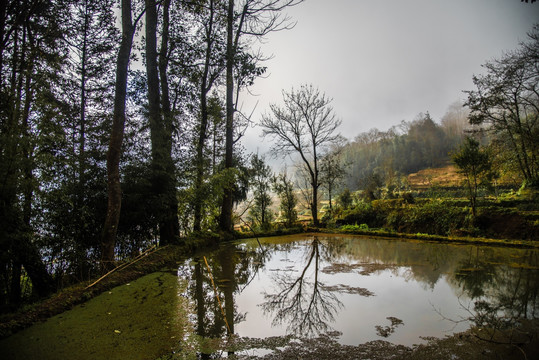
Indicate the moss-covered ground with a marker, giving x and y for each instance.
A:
(143, 319)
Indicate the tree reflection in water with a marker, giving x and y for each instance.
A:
(308, 299)
(504, 296)
(230, 267)
(304, 303)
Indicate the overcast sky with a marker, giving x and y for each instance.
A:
(383, 61)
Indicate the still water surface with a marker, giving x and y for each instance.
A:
(364, 289)
(355, 289)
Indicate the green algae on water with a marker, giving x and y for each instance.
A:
(144, 319)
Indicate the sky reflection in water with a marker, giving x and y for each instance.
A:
(366, 289)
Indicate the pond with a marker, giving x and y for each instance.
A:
(274, 292)
(360, 289)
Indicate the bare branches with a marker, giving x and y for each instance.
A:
(265, 16)
(306, 125)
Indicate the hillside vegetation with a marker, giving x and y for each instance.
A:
(436, 204)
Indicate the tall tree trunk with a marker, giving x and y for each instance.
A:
(226, 210)
(25, 252)
(3, 15)
(82, 116)
(114, 189)
(163, 177)
(205, 87)
(199, 179)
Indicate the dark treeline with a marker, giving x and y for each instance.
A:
(119, 128)
(381, 158)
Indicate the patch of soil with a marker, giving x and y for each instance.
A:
(446, 176)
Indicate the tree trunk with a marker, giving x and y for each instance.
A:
(205, 87)
(226, 211)
(314, 205)
(82, 126)
(162, 165)
(3, 15)
(114, 189)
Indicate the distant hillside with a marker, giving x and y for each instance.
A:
(446, 176)
(384, 157)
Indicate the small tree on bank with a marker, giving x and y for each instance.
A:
(284, 187)
(475, 164)
(261, 177)
(333, 172)
(306, 126)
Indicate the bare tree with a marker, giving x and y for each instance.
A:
(306, 126)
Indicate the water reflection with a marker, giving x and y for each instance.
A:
(301, 301)
(503, 293)
(213, 281)
(311, 286)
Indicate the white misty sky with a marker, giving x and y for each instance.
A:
(386, 61)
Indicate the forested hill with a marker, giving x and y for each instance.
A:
(384, 157)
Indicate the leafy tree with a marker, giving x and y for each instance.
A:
(261, 176)
(31, 57)
(163, 171)
(211, 38)
(332, 173)
(507, 98)
(372, 187)
(474, 163)
(284, 187)
(305, 125)
(71, 204)
(345, 199)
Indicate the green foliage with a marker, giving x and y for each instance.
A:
(284, 187)
(475, 164)
(261, 180)
(345, 200)
(506, 98)
(432, 217)
(363, 213)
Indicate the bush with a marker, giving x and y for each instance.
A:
(363, 213)
(435, 217)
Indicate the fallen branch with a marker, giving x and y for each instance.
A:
(123, 266)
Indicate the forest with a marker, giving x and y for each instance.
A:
(120, 130)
